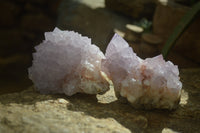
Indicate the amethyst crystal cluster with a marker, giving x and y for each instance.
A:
(149, 83)
(66, 62)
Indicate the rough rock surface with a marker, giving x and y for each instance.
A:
(30, 112)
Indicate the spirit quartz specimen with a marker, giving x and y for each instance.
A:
(66, 62)
(149, 83)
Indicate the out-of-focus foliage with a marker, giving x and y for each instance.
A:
(145, 24)
(180, 28)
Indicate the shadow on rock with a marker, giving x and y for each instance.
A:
(184, 119)
(134, 120)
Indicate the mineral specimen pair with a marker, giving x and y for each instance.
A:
(66, 62)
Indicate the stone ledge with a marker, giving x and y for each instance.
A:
(30, 111)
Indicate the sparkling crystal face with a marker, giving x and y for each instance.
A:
(66, 62)
(149, 83)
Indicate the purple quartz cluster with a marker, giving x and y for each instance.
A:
(149, 83)
(66, 62)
